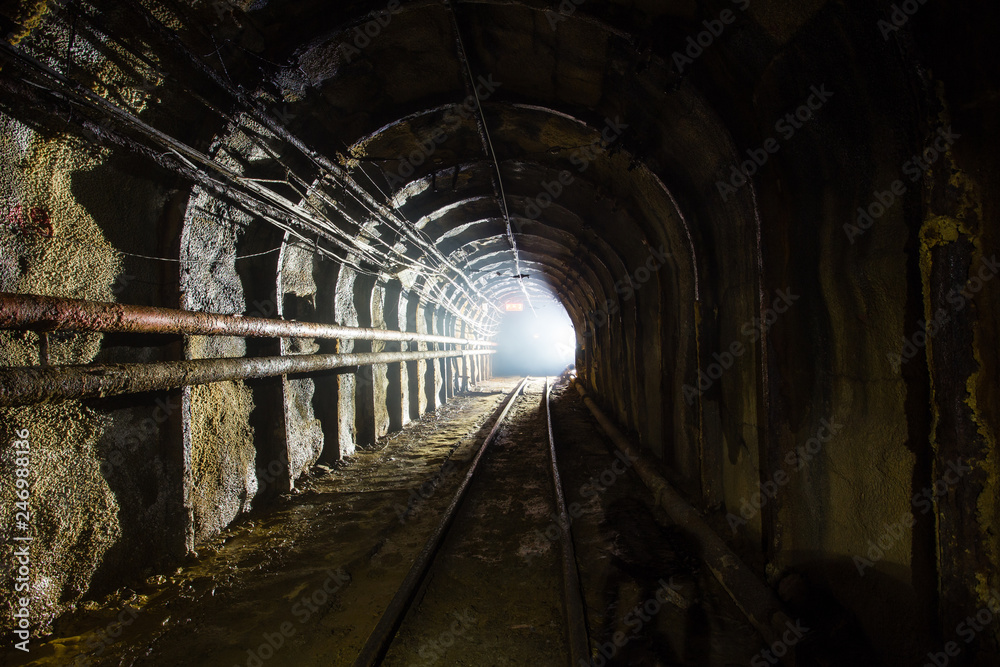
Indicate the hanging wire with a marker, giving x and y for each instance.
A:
(194, 261)
(251, 192)
(463, 57)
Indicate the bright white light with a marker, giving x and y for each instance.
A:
(565, 338)
(535, 343)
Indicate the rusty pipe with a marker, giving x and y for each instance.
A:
(33, 312)
(751, 595)
(30, 385)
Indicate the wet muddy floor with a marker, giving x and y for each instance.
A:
(493, 592)
(304, 581)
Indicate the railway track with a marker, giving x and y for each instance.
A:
(450, 546)
(466, 586)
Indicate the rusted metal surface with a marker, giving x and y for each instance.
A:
(27, 386)
(44, 313)
(382, 635)
(576, 619)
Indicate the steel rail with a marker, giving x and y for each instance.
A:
(380, 638)
(46, 384)
(45, 313)
(576, 620)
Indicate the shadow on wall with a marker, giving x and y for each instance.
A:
(542, 342)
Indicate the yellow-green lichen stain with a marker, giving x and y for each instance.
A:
(223, 456)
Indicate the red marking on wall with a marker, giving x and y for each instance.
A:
(34, 220)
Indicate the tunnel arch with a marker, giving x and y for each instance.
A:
(565, 79)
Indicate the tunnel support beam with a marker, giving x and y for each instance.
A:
(754, 598)
(26, 386)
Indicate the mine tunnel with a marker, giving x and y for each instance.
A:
(499, 332)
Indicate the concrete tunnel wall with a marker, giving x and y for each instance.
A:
(638, 140)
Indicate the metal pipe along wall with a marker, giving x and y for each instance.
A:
(25, 386)
(43, 313)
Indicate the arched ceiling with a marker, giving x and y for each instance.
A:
(494, 147)
(595, 135)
